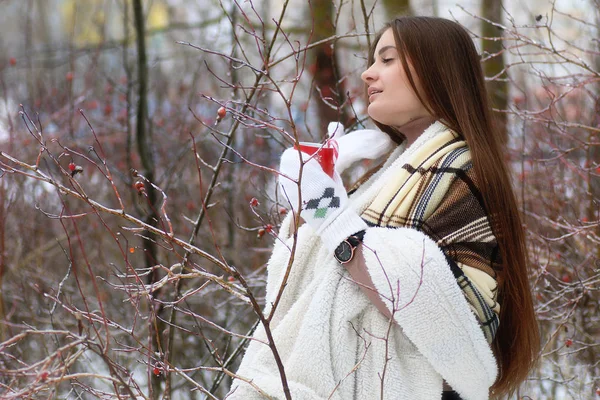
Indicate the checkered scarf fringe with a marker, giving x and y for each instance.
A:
(436, 192)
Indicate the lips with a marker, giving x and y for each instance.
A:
(372, 91)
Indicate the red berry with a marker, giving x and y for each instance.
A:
(231, 279)
(566, 278)
(44, 376)
(72, 166)
(139, 186)
(269, 228)
(69, 76)
(221, 112)
(568, 343)
(107, 110)
(283, 211)
(254, 202)
(156, 371)
(13, 61)
(598, 391)
(519, 99)
(261, 233)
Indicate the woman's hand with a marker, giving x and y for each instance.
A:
(361, 144)
(322, 196)
(324, 199)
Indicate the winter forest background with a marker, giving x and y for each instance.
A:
(136, 218)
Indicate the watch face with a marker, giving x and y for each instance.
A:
(343, 252)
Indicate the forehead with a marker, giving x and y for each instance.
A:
(386, 40)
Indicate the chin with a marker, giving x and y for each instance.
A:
(377, 116)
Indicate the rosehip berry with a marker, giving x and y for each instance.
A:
(261, 233)
(13, 61)
(221, 112)
(139, 186)
(44, 376)
(72, 166)
(69, 76)
(568, 343)
(231, 279)
(269, 228)
(566, 278)
(156, 371)
(254, 202)
(283, 211)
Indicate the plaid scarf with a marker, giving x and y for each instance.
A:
(436, 193)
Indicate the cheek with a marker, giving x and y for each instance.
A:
(396, 108)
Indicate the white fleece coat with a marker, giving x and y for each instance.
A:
(336, 345)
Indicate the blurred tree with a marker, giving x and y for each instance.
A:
(594, 151)
(90, 24)
(435, 8)
(393, 8)
(327, 87)
(145, 149)
(492, 46)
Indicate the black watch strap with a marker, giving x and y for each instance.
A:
(345, 250)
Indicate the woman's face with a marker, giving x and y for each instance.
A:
(392, 101)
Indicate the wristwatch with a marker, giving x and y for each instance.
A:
(345, 251)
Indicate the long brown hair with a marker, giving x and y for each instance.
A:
(444, 58)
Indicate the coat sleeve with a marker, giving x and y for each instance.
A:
(414, 280)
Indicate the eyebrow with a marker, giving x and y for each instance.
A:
(384, 49)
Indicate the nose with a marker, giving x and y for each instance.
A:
(368, 75)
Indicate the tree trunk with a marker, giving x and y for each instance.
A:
(498, 88)
(144, 147)
(594, 151)
(395, 8)
(327, 88)
(435, 8)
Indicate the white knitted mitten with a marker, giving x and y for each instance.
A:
(324, 199)
(361, 144)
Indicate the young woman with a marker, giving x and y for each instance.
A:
(414, 285)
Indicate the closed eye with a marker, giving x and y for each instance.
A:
(386, 60)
